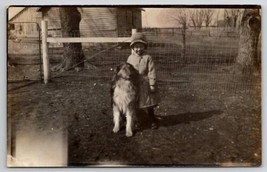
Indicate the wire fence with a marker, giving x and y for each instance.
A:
(207, 56)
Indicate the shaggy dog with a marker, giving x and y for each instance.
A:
(124, 96)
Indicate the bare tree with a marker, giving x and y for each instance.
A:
(73, 55)
(208, 13)
(248, 59)
(231, 16)
(181, 17)
(227, 18)
(235, 13)
(196, 17)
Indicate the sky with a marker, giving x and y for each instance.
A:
(154, 17)
(150, 17)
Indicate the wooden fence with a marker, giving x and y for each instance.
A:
(46, 40)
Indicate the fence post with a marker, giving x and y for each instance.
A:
(134, 31)
(45, 51)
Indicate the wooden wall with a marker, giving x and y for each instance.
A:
(22, 27)
(96, 22)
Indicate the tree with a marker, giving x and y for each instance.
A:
(235, 13)
(196, 17)
(181, 17)
(207, 14)
(73, 55)
(231, 16)
(227, 18)
(247, 59)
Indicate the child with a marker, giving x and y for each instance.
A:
(143, 63)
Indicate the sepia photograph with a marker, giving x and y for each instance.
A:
(134, 86)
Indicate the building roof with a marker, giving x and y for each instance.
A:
(14, 11)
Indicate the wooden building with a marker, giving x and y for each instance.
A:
(23, 21)
(109, 21)
(96, 21)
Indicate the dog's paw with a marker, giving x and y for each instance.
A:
(129, 133)
(116, 129)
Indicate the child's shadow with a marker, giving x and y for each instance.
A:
(184, 118)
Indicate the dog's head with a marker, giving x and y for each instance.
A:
(126, 71)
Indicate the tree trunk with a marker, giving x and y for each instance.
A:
(73, 55)
(183, 55)
(247, 59)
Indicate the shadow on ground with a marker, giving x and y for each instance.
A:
(184, 118)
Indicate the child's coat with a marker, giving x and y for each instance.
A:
(146, 68)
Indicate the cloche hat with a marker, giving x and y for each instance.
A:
(138, 37)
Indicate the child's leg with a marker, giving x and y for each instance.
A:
(151, 115)
(138, 117)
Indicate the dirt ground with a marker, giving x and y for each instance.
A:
(199, 124)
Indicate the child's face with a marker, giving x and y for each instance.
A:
(139, 48)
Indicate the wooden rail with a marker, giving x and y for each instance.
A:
(89, 39)
(46, 40)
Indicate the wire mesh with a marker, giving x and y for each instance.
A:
(207, 56)
(210, 56)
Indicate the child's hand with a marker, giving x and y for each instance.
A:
(152, 88)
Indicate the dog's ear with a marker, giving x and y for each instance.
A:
(118, 68)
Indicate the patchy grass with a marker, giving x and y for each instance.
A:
(212, 123)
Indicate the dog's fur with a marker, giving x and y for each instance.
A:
(124, 96)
